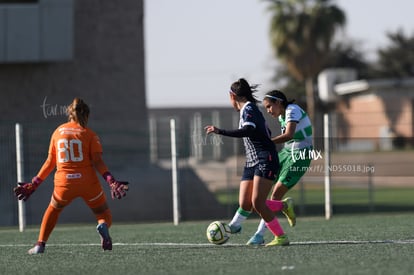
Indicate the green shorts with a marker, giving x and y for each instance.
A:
(293, 166)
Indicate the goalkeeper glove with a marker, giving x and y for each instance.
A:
(118, 188)
(25, 189)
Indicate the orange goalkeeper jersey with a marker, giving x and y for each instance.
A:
(72, 147)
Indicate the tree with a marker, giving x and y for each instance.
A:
(347, 55)
(397, 59)
(301, 33)
(342, 55)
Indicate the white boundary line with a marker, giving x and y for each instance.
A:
(227, 245)
(355, 242)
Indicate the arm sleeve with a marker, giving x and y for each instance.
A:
(96, 155)
(48, 166)
(245, 131)
(98, 163)
(293, 114)
(50, 163)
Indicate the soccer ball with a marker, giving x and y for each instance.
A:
(218, 232)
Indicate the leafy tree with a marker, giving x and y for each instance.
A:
(397, 59)
(342, 55)
(301, 33)
(347, 55)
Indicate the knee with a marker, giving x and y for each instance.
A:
(259, 206)
(100, 209)
(56, 205)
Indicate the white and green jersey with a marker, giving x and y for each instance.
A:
(303, 133)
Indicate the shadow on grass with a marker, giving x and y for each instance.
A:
(319, 209)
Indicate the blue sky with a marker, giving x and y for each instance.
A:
(195, 49)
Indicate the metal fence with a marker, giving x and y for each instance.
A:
(208, 165)
(360, 168)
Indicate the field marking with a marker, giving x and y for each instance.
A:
(410, 241)
(354, 242)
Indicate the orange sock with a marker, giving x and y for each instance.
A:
(50, 218)
(104, 217)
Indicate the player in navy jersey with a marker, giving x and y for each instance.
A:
(262, 163)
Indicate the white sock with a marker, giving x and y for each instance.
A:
(261, 228)
(239, 217)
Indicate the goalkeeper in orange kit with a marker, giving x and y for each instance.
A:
(76, 152)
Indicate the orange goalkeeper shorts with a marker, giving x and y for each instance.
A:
(92, 194)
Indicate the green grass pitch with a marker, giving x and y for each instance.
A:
(346, 244)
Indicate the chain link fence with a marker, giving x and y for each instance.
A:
(209, 169)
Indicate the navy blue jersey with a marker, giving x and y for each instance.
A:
(259, 139)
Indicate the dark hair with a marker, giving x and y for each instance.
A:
(78, 111)
(241, 88)
(276, 95)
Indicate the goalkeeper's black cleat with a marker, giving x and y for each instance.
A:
(37, 249)
(106, 240)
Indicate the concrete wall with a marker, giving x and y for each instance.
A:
(107, 71)
(378, 115)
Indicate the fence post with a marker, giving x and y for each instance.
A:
(370, 191)
(327, 134)
(153, 139)
(20, 174)
(176, 210)
(197, 137)
(215, 118)
(302, 209)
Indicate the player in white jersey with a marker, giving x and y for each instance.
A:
(294, 158)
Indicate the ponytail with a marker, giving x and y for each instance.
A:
(242, 88)
(78, 111)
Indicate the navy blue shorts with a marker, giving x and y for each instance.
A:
(268, 167)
